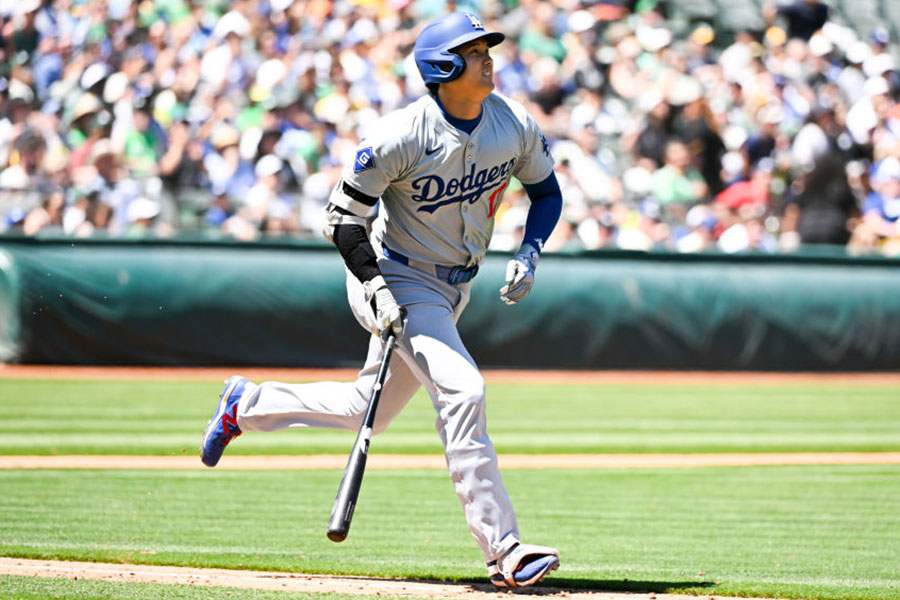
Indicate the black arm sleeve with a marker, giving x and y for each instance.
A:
(354, 246)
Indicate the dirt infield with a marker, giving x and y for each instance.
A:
(491, 375)
(294, 582)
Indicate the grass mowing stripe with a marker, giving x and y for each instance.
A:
(311, 442)
(39, 588)
(167, 417)
(824, 532)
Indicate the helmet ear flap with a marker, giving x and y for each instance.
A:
(445, 68)
(453, 67)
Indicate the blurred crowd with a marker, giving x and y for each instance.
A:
(234, 118)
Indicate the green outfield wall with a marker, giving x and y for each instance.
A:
(283, 304)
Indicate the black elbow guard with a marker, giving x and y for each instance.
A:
(354, 246)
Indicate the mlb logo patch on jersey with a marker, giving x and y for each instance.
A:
(364, 160)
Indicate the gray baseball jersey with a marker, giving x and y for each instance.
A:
(439, 187)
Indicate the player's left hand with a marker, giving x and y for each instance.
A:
(520, 275)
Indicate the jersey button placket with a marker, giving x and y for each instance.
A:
(464, 208)
(469, 158)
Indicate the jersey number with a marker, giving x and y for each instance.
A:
(492, 206)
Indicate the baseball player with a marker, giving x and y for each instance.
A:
(439, 168)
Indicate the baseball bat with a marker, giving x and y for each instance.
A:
(348, 492)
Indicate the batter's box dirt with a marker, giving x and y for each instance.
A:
(294, 582)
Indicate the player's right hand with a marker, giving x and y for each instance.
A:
(389, 316)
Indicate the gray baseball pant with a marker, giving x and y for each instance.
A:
(432, 355)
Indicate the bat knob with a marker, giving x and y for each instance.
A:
(337, 536)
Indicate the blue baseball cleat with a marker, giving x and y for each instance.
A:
(223, 427)
(523, 565)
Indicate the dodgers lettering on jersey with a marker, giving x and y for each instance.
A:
(435, 192)
(440, 187)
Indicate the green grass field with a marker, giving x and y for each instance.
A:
(122, 417)
(821, 532)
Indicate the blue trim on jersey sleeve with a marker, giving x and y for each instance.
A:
(543, 214)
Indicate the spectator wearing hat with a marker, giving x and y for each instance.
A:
(25, 36)
(143, 219)
(15, 192)
(701, 235)
(881, 210)
(869, 112)
(851, 78)
(641, 229)
(699, 53)
(737, 57)
(746, 234)
(695, 125)
(226, 67)
(111, 183)
(94, 78)
(219, 210)
(85, 126)
(879, 61)
(267, 191)
(226, 168)
(761, 143)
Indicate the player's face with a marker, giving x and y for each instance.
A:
(477, 79)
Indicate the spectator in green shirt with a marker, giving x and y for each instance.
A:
(141, 143)
(678, 185)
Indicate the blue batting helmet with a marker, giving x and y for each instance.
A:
(434, 57)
